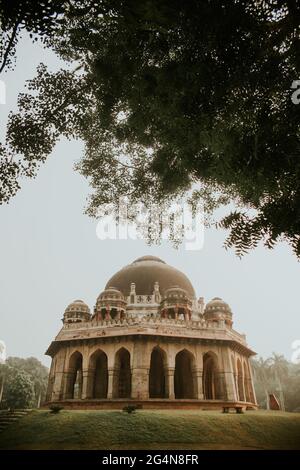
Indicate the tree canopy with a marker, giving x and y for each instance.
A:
(18, 389)
(173, 98)
(23, 382)
(278, 376)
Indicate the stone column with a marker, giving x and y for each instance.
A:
(198, 383)
(228, 377)
(243, 383)
(140, 383)
(66, 393)
(176, 312)
(59, 381)
(251, 386)
(87, 383)
(51, 379)
(140, 371)
(107, 314)
(111, 374)
(170, 382)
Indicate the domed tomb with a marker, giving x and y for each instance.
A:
(147, 270)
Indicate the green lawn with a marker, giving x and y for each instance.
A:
(153, 430)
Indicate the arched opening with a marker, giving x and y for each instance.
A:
(114, 314)
(211, 385)
(181, 313)
(157, 375)
(183, 378)
(240, 381)
(122, 375)
(74, 377)
(171, 313)
(103, 313)
(98, 375)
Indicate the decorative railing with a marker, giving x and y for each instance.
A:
(145, 321)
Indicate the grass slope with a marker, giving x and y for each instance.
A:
(153, 430)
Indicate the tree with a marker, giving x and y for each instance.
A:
(261, 370)
(169, 98)
(37, 372)
(277, 375)
(19, 390)
(292, 388)
(279, 366)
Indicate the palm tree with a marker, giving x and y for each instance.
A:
(261, 370)
(280, 368)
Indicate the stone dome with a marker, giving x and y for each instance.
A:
(217, 308)
(111, 293)
(175, 292)
(77, 311)
(147, 270)
(217, 304)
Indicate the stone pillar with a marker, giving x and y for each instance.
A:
(186, 315)
(80, 379)
(228, 377)
(111, 374)
(198, 383)
(170, 382)
(51, 380)
(176, 312)
(243, 383)
(140, 371)
(59, 381)
(87, 383)
(140, 383)
(66, 393)
(107, 314)
(251, 385)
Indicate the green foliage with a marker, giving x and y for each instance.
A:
(38, 18)
(19, 390)
(55, 408)
(168, 97)
(276, 375)
(33, 370)
(38, 373)
(130, 408)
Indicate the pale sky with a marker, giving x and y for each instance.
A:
(50, 255)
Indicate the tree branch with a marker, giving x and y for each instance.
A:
(10, 44)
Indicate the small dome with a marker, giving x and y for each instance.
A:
(217, 305)
(77, 311)
(217, 309)
(78, 306)
(175, 292)
(111, 293)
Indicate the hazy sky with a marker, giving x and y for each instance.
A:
(50, 255)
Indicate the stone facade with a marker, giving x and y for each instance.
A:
(150, 341)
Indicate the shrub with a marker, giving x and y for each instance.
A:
(55, 408)
(130, 408)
